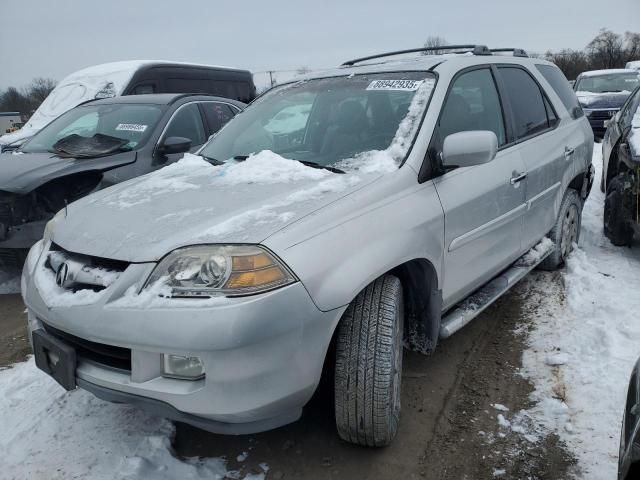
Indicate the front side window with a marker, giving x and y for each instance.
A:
(609, 82)
(527, 102)
(131, 122)
(472, 104)
(328, 120)
(187, 123)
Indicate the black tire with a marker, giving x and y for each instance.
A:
(566, 230)
(368, 371)
(618, 213)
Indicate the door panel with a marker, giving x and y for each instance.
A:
(483, 206)
(484, 215)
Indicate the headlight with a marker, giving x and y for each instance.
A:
(208, 270)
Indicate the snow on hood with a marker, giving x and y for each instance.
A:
(602, 100)
(193, 201)
(105, 80)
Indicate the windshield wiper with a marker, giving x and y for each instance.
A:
(242, 158)
(212, 160)
(318, 165)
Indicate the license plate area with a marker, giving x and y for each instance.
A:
(55, 358)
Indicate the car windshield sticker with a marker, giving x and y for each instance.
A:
(403, 85)
(131, 127)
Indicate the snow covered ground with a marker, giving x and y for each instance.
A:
(46, 433)
(585, 342)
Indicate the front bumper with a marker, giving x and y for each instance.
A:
(263, 354)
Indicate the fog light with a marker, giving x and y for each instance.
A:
(184, 368)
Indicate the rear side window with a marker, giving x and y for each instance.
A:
(217, 114)
(187, 123)
(561, 86)
(527, 102)
(472, 104)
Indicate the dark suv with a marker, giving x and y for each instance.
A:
(602, 93)
(93, 146)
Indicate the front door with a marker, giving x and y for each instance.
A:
(484, 205)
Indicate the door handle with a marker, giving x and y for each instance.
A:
(517, 178)
(568, 151)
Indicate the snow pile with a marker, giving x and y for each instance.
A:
(536, 254)
(53, 434)
(269, 167)
(586, 342)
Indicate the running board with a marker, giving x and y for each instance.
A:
(473, 305)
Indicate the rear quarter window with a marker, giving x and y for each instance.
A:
(563, 89)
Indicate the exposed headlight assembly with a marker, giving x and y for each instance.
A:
(225, 270)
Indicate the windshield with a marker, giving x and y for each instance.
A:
(130, 122)
(327, 120)
(609, 83)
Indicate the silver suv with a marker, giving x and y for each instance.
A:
(338, 218)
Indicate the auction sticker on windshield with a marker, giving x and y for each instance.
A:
(131, 127)
(404, 85)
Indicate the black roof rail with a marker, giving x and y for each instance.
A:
(517, 52)
(475, 49)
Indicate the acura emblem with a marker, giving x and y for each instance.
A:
(61, 274)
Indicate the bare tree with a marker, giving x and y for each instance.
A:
(434, 41)
(606, 49)
(39, 89)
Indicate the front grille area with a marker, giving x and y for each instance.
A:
(77, 272)
(105, 355)
(602, 114)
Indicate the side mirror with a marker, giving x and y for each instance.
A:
(466, 149)
(174, 145)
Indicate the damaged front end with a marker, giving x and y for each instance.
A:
(23, 216)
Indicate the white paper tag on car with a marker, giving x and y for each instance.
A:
(131, 127)
(402, 85)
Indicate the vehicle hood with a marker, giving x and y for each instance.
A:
(193, 202)
(602, 100)
(23, 172)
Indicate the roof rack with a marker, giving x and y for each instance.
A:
(475, 49)
(517, 52)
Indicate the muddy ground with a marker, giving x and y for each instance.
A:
(449, 427)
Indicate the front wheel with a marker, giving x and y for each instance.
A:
(566, 231)
(368, 369)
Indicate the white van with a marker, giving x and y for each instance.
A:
(133, 77)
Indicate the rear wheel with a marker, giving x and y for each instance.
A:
(566, 231)
(618, 212)
(368, 371)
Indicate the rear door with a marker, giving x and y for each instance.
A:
(547, 144)
(484, 205)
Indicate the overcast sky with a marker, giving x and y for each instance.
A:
(54, 38)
